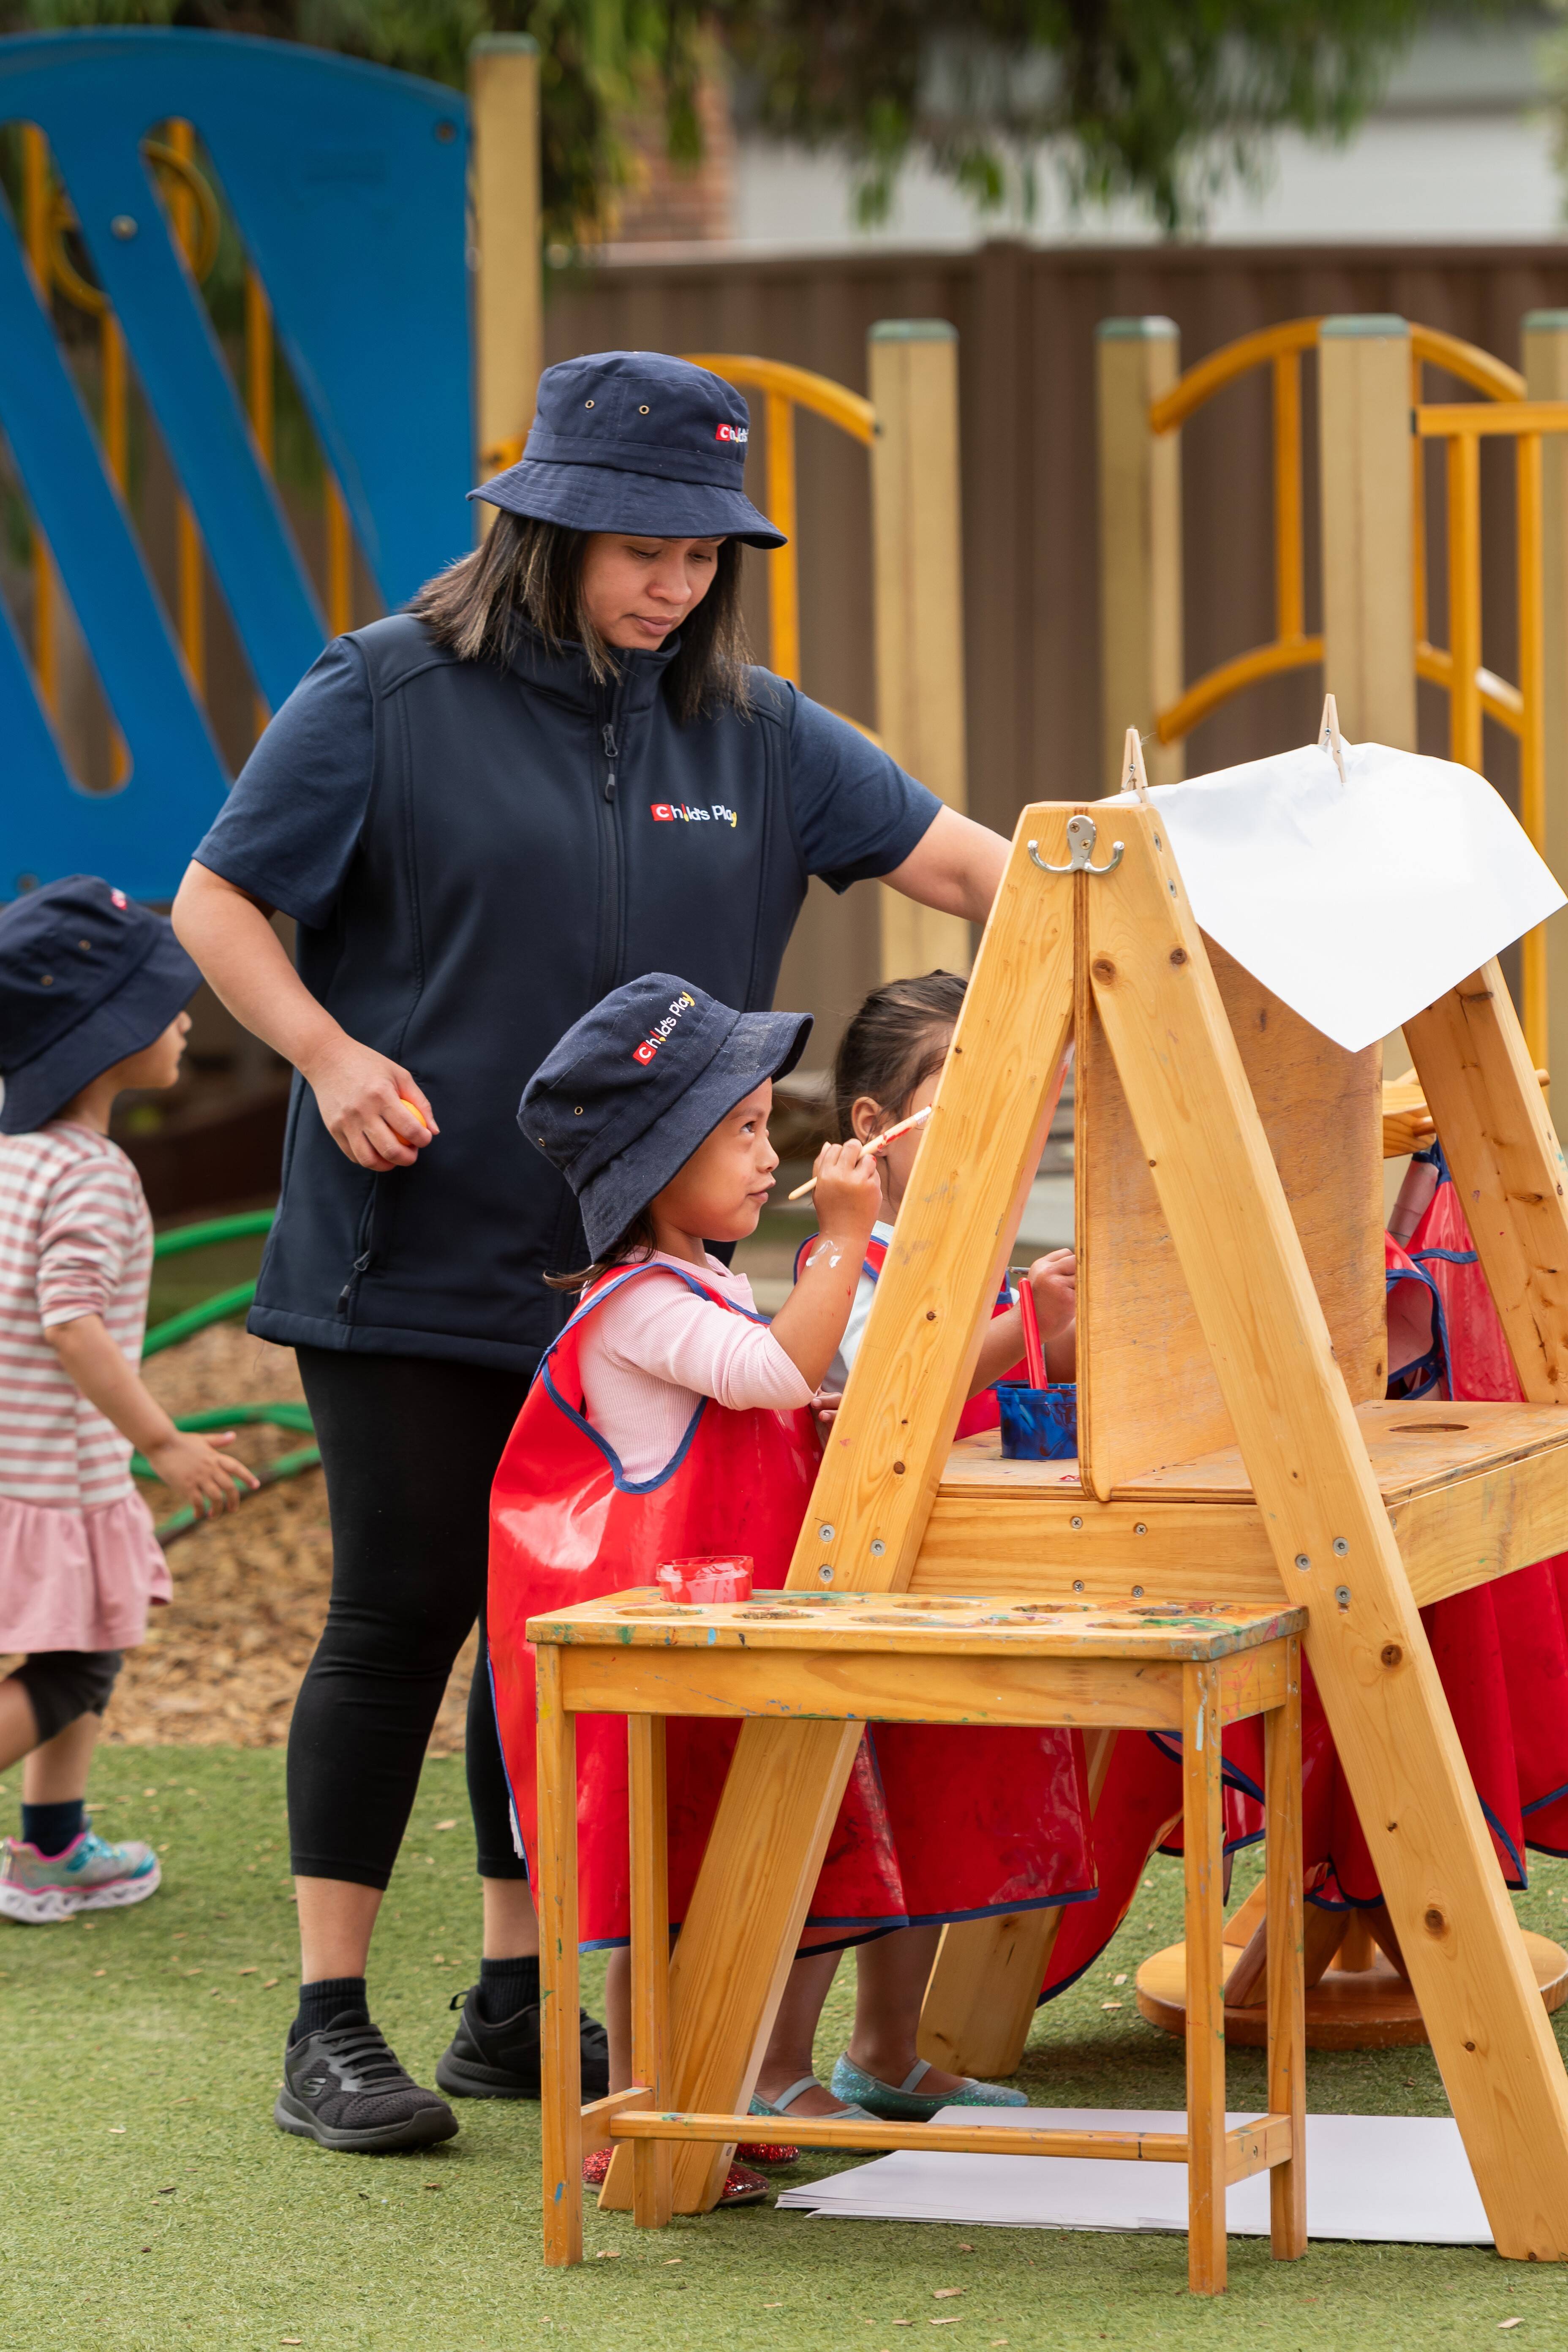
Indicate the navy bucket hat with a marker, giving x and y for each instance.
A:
(86, 976)
(635, 441)
(635, 1085)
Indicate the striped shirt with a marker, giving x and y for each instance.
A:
(75, 1239)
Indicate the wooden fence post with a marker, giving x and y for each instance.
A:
(509, 298)
(1369, 616)
(917, 567)
(1545, 360)
(1141, 654)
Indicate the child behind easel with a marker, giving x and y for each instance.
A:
(886, 1071)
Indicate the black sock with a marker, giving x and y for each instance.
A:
(328, 1999)
(507, 1986)
(51, 1828)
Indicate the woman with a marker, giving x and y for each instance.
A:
(556, 771)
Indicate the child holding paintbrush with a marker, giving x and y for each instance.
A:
(885, 1078)
(952, 1796)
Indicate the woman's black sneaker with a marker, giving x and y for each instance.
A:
(344, 2089)
(486, 2061)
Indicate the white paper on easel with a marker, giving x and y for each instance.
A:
(1357, 903)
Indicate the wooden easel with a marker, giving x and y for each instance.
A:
(1233, 1445)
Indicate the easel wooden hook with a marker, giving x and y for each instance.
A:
(1329, 735)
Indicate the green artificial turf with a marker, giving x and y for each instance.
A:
(149, 2201)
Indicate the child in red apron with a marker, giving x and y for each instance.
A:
(886, 1069)
(668, 1421)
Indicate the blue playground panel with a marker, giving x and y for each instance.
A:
(348, 184)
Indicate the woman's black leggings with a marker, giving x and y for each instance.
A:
(409, 1445)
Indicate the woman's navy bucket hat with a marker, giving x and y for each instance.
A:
(635, 1087)
(86, 976)
(635, 441)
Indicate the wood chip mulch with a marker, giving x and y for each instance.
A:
(221, 1665)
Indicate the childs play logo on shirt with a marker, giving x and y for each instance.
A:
(677, 812)
(662, 1029)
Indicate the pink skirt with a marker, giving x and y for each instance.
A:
(78, 1579)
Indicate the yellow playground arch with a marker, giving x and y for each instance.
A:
(1375, 423)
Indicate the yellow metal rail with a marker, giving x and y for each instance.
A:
(1280, 349)
(1474, 691)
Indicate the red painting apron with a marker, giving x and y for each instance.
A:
(920, 1834)
(1500, 1651)
(1501, 1648)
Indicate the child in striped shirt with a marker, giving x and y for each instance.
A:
(92, 988)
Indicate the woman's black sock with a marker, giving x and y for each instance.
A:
(51, 1828)
(507, 1986)
(326, 1999)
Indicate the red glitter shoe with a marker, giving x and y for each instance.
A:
(741, 2187)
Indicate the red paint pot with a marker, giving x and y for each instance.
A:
(726, 1577)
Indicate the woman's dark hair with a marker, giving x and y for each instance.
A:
(896, 1040)
(634, 1247)
(529, 575)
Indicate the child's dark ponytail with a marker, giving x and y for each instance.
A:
(634, 1247)
(896, 1040)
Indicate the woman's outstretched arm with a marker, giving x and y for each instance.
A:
(362, 1096)
(955, 867)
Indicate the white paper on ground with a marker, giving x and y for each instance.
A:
(1394, 2180)
(1357, 903)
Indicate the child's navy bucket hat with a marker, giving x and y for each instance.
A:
(635, 1085)
(86, 976)
(635, 441)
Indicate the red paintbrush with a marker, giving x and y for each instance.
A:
(1034, 1354)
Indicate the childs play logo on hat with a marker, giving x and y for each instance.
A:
(662, 1029)
(635, 1084)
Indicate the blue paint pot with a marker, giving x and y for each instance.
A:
(1038, 1425)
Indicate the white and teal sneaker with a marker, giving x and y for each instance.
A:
(41, 1889)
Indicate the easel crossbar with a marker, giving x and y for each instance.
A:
(1250, 2147)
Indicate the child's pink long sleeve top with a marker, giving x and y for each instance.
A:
(655, 1348)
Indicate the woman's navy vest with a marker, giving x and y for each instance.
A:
(532, 840)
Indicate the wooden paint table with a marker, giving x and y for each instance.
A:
(806, 1658)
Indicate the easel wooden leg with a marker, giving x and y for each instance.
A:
(1287, 2092)
(650, 1959)
(985, 1980)
(739, 1937)
(877, 1478)
(1226, 1208)
(561, 2050)
(1203, 1838)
